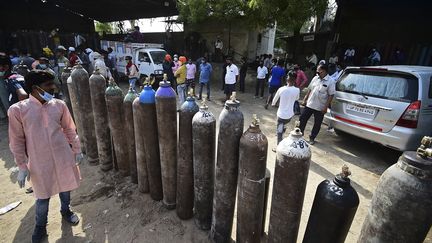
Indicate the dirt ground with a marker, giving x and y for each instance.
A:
(112, 210)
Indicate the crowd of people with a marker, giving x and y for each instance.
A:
(18, 63)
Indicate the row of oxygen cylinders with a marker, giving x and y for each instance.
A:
(137, 134)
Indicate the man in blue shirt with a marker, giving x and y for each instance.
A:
(12, 84)
(277, 75)
(204, 79)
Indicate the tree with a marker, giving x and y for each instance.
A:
(289, 14)
(101, 28)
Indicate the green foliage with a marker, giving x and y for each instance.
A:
(103, 27)
(289, 14)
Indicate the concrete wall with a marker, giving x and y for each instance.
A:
(243, 40)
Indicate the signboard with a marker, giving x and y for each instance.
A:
(308, 37)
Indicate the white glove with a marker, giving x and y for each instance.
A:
(22, 174)
(79, 158)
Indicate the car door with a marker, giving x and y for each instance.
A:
(374, 99)
(144, 63)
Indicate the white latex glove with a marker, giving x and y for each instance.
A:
(22, 174)
(79, 158)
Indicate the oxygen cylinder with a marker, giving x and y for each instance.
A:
(291, 172)
(64, 87)
(226, 173)
(73, 91)
(141, 163)
(185, 190)
(80, 76)
(114, 102)
(401, 207)
(103, 136)
(151, 143)
(333, 210)
(130, 133)
(167, 130)
(203, 140)
(251, 190)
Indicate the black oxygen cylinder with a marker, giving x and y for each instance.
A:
(293, 157)
(266, 195)
(103, 136)
(73, 91)
(80, 76)
(130, 133)
(251, 188)
(203, 140)
(185, 190)
(230, 131)
(333, 210)
(151, 142)
(114, 102)
(167, 129)
(401, 207)
(140, 152)
(64, 87)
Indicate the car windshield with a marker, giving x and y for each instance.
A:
(158, 56)
(381, 85)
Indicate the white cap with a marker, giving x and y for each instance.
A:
(71, 48)
(61, 48)
(88, 50)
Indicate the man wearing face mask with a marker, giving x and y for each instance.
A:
(44, 65)
(46, 148)
(317, 100)
(11, 90)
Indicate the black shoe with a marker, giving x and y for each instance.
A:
(70, 217)
(266, 106)
(39, 234)
(208, 99)
(311, 141)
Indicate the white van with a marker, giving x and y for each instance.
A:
(147, 56)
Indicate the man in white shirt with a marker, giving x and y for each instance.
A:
(317, 100)
(99, 64)
(288, 95)
(131, 71)
(349, 56)
(231, 77)
(262, 72)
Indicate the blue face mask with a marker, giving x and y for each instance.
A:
(43, 66)
(45, 96)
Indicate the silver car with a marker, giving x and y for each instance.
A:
(390, 105)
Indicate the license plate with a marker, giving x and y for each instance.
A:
(360, 109)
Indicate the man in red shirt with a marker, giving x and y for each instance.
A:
(73, 57)
(300, 82)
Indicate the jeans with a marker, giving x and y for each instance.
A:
(280, 129)
(181, 90)
(132, 82)
(318, 118)
(259, 86)
(42, 206)
(207, 87)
